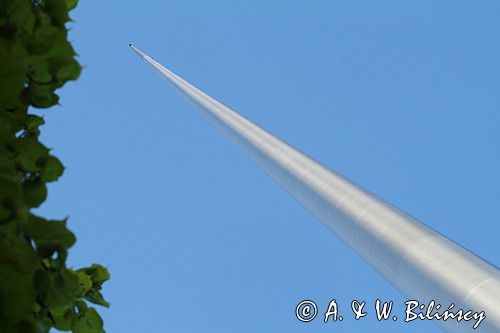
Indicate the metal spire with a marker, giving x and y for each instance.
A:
(417, 260)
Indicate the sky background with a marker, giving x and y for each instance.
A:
(404, 99)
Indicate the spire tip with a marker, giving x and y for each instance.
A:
(139, 52)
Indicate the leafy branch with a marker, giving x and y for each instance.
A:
(37, 290)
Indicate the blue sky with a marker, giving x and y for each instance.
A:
(401, 98)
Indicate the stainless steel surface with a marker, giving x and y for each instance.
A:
(417, 260)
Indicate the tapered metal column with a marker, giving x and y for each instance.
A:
(420, 262)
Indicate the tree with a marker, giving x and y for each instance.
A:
(37, 290)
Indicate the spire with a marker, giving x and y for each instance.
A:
(415, 259)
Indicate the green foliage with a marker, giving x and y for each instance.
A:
(37, 290)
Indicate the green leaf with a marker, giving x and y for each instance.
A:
(39, 70)
(35, 192)
(85, 282)
(70, 71)
(98, 274)
(49, 236)
(32, 121)
(46, 37)
(41, 95)
(31, 153)
(63, 320)
(52, 169)
(96, 297)
(57, 10)
(18, 254)
(71, 4)
(88, 321)
(57, 290)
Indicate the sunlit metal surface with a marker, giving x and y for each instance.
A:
(417, 260)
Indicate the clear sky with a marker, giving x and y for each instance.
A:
(403, 99)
